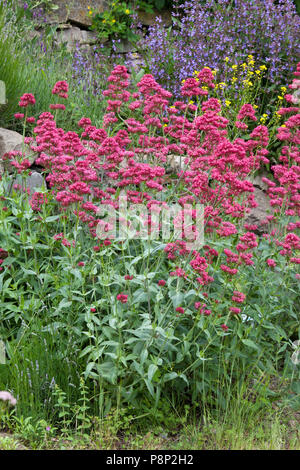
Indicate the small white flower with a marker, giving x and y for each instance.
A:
(6, 396)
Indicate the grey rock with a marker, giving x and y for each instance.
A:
(57, 16)
(73, 36)
(74, 11)
(259, 213)
(13, 141)
(257, 181)
(78, 11)
(149, 19)
(34, 182)
(9, 141)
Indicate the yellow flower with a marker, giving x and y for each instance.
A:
(262, 120)
(226, 59)
(113, 20)
(182, 81)
(205, 88)
(255, 106)
(191, 102)
(197, 79)
(228, 103)
(234, 67)
(127, 11)
(263, 67)
(214, 72)
(258, 72)
(280, 98)
(250, 56)
(283, 88)
(283, 125)
(234, 79)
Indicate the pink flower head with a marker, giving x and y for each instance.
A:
(57, 106)
(84, 122)
(238, 297)
(191, 88)
(247, 111)
(8, 397)
(271, 263)
(37, 201)
(61, 89)
(161, 282)
(26, 100)
(241, 125)
(30, 120)
(180, 309)
(235, 310)
(213, 104)
(122, 298)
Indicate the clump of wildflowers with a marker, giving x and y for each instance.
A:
(213, 33)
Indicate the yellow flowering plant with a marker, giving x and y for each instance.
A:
(114, 22)
(241, 85)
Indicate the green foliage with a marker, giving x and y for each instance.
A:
(114, 22)
(151, 5)
(128, 352)
(74, 352)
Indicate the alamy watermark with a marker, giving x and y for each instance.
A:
(2, 352)
(2, 93)
(152, 221)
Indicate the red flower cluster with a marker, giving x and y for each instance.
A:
(27, 100)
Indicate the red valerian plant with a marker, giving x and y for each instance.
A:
(133, 154)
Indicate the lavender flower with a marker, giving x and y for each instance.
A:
(203, 34)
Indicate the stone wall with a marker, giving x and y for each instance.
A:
(73, 23)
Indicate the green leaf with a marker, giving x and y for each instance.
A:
(151, 371)
(250, 344)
